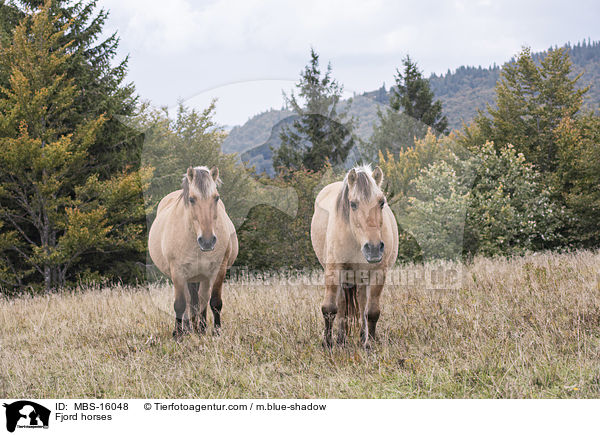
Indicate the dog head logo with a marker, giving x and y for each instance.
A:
(26, 414)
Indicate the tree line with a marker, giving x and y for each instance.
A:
(84, 162)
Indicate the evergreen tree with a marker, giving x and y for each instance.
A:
(531, 101)
(98, 78)
(54, 207)
(410, 114)
(319, 133)
(577, 178)
(414, 97)
(100, 91)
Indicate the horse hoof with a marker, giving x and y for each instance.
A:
(327, 343)
(177, 335)
(217, 332)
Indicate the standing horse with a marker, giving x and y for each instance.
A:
(355, 237)
(193, 242)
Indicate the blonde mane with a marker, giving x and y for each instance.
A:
(203, 181)
(365, 187)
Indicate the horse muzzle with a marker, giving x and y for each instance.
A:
(207, 244)
(373, 252)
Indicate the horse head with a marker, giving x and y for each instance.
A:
(201, 200)
(361, 204)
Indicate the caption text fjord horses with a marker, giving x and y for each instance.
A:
(193, 241)
(355, 237)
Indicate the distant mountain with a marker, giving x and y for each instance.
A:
(363, 109)
(468, 89)
(462, 92)
(254, 132)
(261, 157)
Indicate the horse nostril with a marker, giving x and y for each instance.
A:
(207, 244)
(381, 247)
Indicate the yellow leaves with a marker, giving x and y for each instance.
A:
(86, 134)
(85, 229)
(401, 170)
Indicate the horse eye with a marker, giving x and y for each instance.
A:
(217, 198)
(382, 203)
(353, 205)
(192, 200)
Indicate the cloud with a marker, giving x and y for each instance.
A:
(250, 24)
(182, 47)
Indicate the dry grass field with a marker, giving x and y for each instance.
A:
(525, 327)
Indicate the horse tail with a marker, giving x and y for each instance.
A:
(351, 302)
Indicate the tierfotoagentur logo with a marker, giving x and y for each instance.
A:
(25, 414)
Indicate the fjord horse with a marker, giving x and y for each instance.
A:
(193, 242)
(355, 237)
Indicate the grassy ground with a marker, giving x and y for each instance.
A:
(526, 327)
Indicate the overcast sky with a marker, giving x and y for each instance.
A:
(246, 51)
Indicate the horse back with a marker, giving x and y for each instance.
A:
(230, 229)
(156, 236)
(325, 204)
(392, 235)
(168, 200)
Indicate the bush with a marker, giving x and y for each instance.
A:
(490, 201)
(271, 239)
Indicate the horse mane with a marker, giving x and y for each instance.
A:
(202, 181)
(365, 186)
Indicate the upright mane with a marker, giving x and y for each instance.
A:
(365, 187)
(203, 181)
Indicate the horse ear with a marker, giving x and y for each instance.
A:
(377, 175)
(214, 173)
(351, 177)
(190, 173)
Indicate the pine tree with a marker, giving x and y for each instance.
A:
(410, 114)
(413, 95)
(53, 207)
(531, 101)
(319, 133)
(99, 79)
(577, 177)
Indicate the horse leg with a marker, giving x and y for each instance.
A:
(329, 307)
(203, 291)
(361, 295)
(373, 311)
(342, 304)
(216, 303)
(193, 290)
(179, 305)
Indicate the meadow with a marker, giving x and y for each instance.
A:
(523, 327)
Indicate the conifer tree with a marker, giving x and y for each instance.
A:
(410, 114)
(413, 95)
(54, 208)
(531, 101)
(319, 133)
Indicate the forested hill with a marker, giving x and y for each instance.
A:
(470, 88)
(254, 132)
(462, 92)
